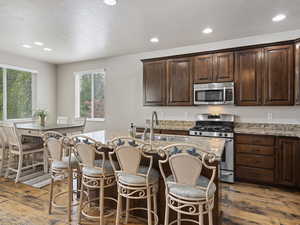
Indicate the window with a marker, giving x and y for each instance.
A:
(16, 93)
(89, 92)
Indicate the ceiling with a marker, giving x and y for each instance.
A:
(85, 29)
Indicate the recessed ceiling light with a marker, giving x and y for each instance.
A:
(110, 2)
(278, 17)
(27, 46)
(38, 43)
(154, 40)
(207, 30)
(47, 49)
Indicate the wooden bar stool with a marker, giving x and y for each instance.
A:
(63, 164)
(187, 192)
(4, 150)
(134, 180)
(96, 174)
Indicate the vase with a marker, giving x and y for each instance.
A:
(43, 120)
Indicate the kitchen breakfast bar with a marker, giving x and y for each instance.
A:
(212, 146)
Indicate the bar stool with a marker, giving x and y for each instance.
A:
(187, 192)
(63, 164)
(96, 174)
(134, 180)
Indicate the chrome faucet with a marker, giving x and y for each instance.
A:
(154, 117)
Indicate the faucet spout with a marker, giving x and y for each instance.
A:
(154, 118)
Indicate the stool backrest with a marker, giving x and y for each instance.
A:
(185, 168)
(10, 131)
(129, 153)
(186, 162)
(53, 142)
(86, 149)
(3, 138)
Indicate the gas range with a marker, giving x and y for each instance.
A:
(209, 125)
(219, 126)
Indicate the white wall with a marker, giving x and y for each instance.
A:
(46, 80)
(124, 88)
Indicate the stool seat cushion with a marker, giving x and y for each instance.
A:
(139, 180)
(187, 191)
(90, 171)
(64, 163)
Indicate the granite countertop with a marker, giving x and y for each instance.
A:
(288, 130)
(208, 145)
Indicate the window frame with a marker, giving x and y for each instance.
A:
(78, 75)
(34, 74)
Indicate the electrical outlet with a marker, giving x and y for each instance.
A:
(270, 116)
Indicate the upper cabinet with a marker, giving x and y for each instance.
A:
(297, 73)
(278, 75)
(211, 68)
(203, 69)
(248, 77)
(154, 79)
(223, 67)
(265, 76)
(179, 82)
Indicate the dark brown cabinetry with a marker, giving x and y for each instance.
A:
(255, 158)
(223, 67)
(267, 159)
(179, 82)
(265, 76)
(278, 75)
(155, 75)
(248, 77)
(213, 68)
(297, 73)
(203, 69)
(287, 155)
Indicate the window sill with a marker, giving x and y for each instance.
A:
(96, 119)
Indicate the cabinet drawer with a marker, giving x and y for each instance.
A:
(255, 139)
(255, 174)
(266, 162)
(29, 132)
(254, 149)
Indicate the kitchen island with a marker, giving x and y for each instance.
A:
(209, 145)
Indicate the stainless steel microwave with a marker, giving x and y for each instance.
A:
(214, 93)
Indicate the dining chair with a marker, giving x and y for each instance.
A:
(187, 191)
(20, 150)
(62, 164)
(135, 180)
(62, 120)
(97, 173)
(3, 150)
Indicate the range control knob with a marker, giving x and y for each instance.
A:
(220, 134)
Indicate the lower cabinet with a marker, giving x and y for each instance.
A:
(287, 157)
(267, 159)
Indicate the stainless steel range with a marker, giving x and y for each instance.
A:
(219, 126)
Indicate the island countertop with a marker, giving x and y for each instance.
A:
(207, 144)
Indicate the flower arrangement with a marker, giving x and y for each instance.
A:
(41, 113)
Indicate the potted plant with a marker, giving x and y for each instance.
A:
(41, 113)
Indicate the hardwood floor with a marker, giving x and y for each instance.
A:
(242, 204)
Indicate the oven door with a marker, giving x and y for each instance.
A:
(215, 96)
(227, 161)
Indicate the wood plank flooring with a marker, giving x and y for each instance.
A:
(242, 204)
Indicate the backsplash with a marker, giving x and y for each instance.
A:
(173, 124)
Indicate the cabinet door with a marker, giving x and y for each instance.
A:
(248, 77)
(223, 67)
(203, 69)
(278, 75)
(155, 83)
(179, 82)
(297, 73)
(286, 160)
